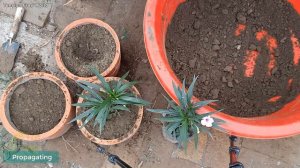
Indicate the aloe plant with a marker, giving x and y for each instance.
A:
(105, 98)
(182, 121)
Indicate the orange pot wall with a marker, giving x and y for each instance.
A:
(283, 123)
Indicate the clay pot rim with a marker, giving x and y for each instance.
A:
(121, 139)
(85, 21)
(6, 121)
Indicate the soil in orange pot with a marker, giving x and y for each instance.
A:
(246, 53)
(86, 47)
(36, 106)
(118, 124)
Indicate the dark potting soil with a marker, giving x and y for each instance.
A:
(86, 47)
(220, 40)
(118, 124)
(37, 106)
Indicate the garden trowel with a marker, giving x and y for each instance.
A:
(10, 48)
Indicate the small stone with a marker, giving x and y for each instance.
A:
(283, 40)
(20, 90)
(232, 100)
(192, 62)
(214, 54)
(216, 47)
(197, 24)
(206, 83)
(95, 51)
(235, 55)
(68, 43)
(277, 53)
(31, 119)
(50, 27)
(252, 47)
(216, 6)
(249, 11)
(225, 11)
(228, 68)
(193, 12)
(216, 42)
(215, 93)
(144, 61)
(238, 47)
(205, 39)
(224, 79)
(274, 70)
(236, 81)
(230, 84)
(241, 18)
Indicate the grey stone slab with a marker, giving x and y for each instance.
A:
(287, 149)
(253, 159)
(36, 11)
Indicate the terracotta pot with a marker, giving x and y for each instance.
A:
(112, 70)
(121, 139)
(55, 132)
(283, 123)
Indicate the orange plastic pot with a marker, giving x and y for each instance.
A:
(55, 132)
(121, 139)
(283, 123)
(114, 67)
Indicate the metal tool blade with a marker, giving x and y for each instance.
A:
(8, 53)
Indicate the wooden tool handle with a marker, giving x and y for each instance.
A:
(17, 20)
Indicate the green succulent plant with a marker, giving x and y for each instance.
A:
(102, 99)
(182, 121)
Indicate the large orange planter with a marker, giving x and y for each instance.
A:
(114, 67)
(62, 127)
(283, 123)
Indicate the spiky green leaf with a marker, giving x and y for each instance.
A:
(90, 85)
(83, 115)
(103, 81)
(161, 111)
(191, 89)
(85, 104)
(134, 100)
(196, 136)
(170, 119)
(203, 103)
(122, 108)
(89, 90)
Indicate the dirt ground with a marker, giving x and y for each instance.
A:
(147, 149)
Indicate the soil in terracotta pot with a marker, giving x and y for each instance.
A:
(88, 46)
(37, 106)
(243, 52)
(118, 124)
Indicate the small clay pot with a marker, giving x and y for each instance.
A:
(114, 67)
(121, 139)
(62, 127)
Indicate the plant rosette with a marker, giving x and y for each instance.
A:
(181, 122)
(102, 98)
